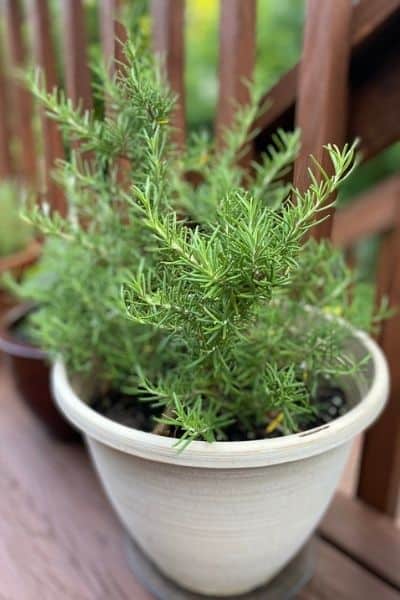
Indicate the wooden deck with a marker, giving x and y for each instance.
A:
(60, 540)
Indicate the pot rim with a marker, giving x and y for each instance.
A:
(229, 455)
(9, 343)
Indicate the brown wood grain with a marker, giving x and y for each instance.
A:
(385, 262)
(237, 48)
(366, 535)
(59, 538)
(322, 94)
(39, 22)
(169, 42)
(337, 577)
(112, 32)
(373, 212)
(374, 85)
(76, 65)
(6, 162)
(75, 54)
(375, 94)
(113, 36)
(379, 482)
(369, 17)
(22, 99)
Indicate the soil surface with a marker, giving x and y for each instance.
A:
(20, 331)
(126, 410)
(129, 411)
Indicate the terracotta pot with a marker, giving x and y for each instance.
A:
(224, 518)
(31, 374)
(16, 263)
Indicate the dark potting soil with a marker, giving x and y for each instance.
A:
(20, 328)
(20, 331)
(127, 410)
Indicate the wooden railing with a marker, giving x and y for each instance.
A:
(346, 86)
(323, 110)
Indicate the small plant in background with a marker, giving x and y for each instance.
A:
(14, 233)
(206, 308)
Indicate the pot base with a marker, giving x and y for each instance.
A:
(285, 586)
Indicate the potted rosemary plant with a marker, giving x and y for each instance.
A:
(207, 347)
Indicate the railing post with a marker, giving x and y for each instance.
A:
(236, 59)
(23, 112)
(39, 20)
(321, 108)
(6, 162)
(379, 479)
(75, 52)
(168, 39)
(113, 33)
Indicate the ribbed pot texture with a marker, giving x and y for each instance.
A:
(224, 518)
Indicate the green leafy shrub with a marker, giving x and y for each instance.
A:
(14, 233)
(209, 302)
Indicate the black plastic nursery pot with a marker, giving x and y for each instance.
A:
(30, 370)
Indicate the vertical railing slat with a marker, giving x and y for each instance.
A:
(23, 110)
(322, 87)
(39, 20)
(6, 162)
(168, 37)
(113, 35)
(112, 32)
(236, 58)
(75, 54)
(379, 478)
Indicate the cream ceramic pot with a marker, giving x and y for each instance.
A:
(224, 518)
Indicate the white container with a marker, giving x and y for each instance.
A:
(224, 518)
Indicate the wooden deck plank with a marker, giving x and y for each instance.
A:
(366, 535)
(337, 577)
(60, 539)
(58, 536)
